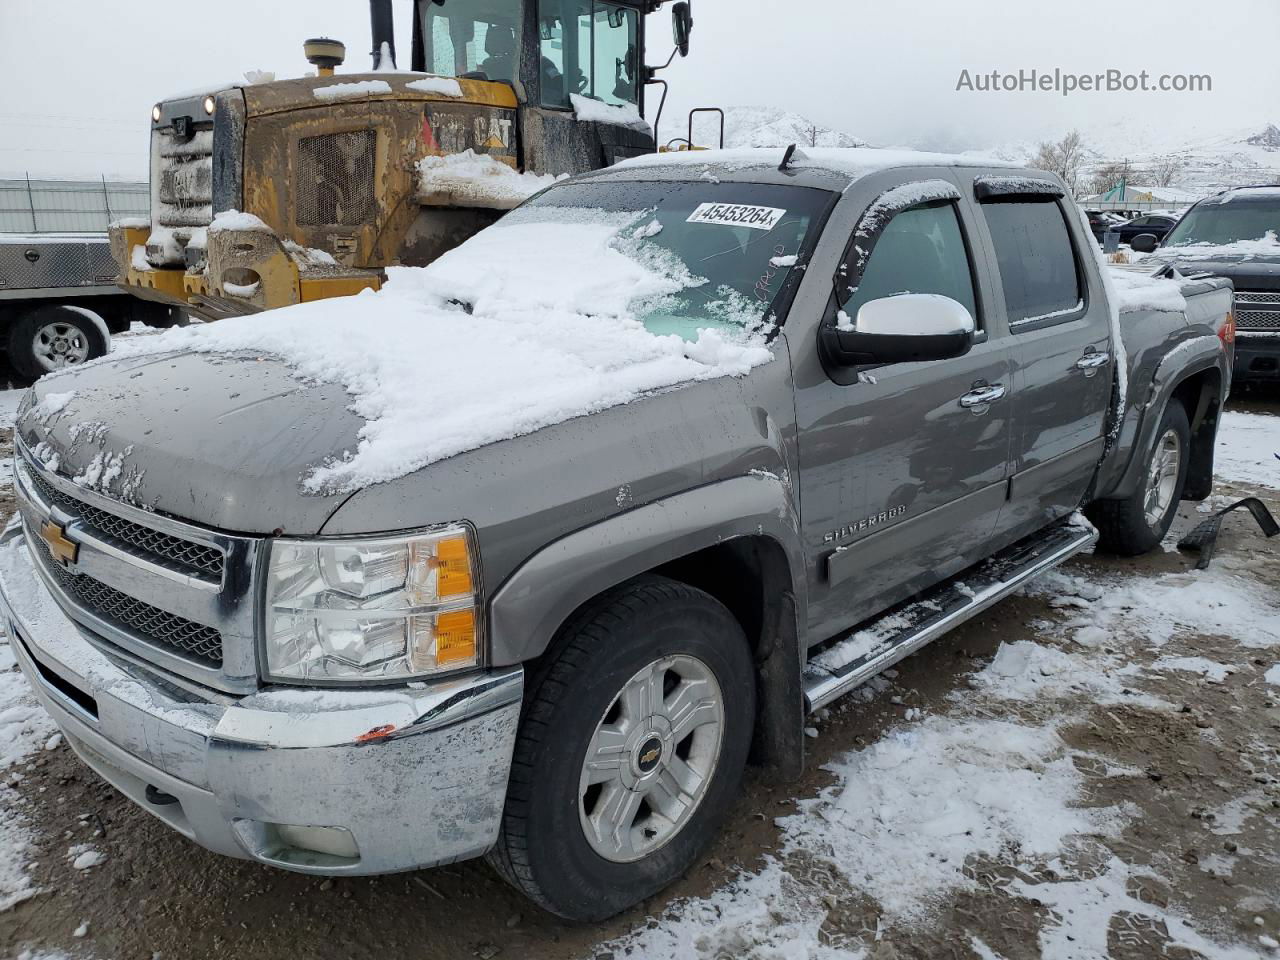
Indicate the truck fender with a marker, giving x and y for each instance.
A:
(528, 609)
(1189, 358)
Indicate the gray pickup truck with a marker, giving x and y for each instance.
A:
(561, 649)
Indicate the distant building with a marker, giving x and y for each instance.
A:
(69, 206)
(1140, 198)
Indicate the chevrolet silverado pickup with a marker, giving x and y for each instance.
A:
(558, 645)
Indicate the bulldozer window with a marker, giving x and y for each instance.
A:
(590, 48)
(476, 37)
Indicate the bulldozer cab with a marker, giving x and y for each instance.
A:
(338, 175)
(584, 48)
(556, 54)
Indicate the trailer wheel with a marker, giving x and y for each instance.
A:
(51, 338)
(630, 752)
(1137, 524)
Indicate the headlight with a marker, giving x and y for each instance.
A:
(372, 610)
(155, 113)
(208, 105)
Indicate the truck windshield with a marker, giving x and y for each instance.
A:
(1223, 223)
(472, 37)
(731, 246)
(589, 48)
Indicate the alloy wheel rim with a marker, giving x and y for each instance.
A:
(651, 759)
(1162, 478)
(60, 344)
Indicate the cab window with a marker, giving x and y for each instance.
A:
(478, 37)
(921, 250)
(589, 48)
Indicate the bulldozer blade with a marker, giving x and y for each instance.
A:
(1204, 538)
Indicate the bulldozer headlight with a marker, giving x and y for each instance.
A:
(155, 113)
(208, 105)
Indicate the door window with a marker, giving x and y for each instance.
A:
(472, 39)
(921, 250)
(1037, 261)
(589, 48)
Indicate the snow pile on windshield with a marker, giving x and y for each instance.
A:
(1268, 245)
(469, 179)
(552, 334)
(1138, 291)
(597, 111)
(346, 91)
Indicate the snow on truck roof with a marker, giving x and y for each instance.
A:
(848, 163)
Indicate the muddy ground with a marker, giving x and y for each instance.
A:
(157, 894)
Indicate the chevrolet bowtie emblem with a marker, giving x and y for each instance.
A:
(55, 537)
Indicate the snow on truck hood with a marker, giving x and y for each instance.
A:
(551, 335)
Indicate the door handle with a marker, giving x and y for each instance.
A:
(1090, 363)
(981, 396)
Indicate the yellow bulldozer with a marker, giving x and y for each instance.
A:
(272, 193)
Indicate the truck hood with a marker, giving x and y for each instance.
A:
(217, 440)
(1245, 266)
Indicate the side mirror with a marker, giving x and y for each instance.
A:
(682, 26)
(1144, 243)
(908, 327)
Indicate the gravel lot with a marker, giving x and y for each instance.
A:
(1090, 769)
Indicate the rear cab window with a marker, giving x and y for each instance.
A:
(1037, 260)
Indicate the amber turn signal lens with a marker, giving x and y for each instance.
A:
(453, 568)
(455, 638)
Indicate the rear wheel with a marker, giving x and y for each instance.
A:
(630, 752)
(52, 338)
(1138, 523)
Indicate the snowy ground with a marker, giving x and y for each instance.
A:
(1090, 770)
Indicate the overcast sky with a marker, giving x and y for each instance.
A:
(78, 77)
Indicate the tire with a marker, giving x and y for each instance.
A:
(1137, 524)
(554, 844)
(51, 338)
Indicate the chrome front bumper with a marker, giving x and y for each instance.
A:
(396, 779)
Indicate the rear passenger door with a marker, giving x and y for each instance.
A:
(1061, 344)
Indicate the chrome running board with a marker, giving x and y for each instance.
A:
(840, 666)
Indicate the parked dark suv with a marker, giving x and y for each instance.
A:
(1236, 234)
(1156, 224)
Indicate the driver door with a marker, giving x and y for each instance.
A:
(903, 477)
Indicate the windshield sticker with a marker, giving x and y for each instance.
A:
(737, 215)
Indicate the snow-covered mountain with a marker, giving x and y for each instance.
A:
(771, 127)
(1194, 159)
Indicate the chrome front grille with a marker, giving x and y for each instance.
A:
(192, 639)
(163, 591)
(193, 557)
(1257, 320)
(1257, 310)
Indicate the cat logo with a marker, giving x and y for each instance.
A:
(55, 537)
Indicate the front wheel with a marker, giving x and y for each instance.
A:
(1137, 524)
(631, 750)
(52, 338)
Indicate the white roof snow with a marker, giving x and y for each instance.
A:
(852, 161)
(347, 91)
